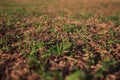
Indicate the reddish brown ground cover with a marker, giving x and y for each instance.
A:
(60, 40)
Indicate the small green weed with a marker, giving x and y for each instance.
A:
(76, 76)
(60, 48)
(32, 57)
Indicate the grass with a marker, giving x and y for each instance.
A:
(114, 18)
(60, 48)
(81, 16)
(76, 75)
(50, 41)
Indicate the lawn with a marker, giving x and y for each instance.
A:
(60, 40)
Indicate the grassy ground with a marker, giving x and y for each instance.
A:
(60, 40)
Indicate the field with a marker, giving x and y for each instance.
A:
(59, 40)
